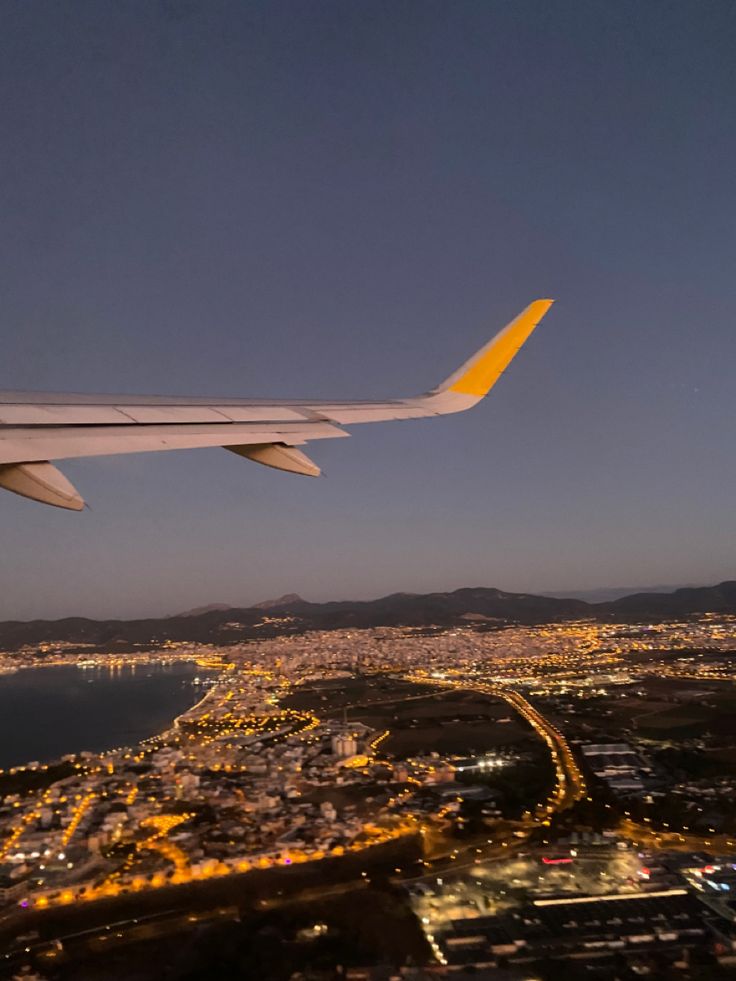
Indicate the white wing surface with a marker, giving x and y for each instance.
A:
(38, 428)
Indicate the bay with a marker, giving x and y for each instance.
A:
(47, 712)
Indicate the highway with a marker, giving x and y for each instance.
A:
(569, 782)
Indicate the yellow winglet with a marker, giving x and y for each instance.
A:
(478, 375)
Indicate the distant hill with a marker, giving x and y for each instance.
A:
(288, 599)
(605, 594)
(700, 599)
(198, 610)
(219, 624)
(424, 609)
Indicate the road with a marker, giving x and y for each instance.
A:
(645, 836)
(569, 782)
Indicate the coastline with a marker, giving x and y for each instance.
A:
(91, 721)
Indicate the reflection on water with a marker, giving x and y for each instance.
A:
(48, 712)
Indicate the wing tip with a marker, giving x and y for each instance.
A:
(479, 374)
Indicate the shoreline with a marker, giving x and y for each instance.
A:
(39, 765)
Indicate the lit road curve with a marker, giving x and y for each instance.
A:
(569, 781)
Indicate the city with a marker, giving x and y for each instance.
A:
(570, 757)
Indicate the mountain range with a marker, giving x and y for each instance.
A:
(221, 624)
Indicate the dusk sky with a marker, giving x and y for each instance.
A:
(346, 199)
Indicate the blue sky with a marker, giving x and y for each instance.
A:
(344, 200)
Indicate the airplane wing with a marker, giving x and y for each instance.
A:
(37, 428)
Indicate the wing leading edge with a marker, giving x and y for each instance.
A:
(38, 428)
